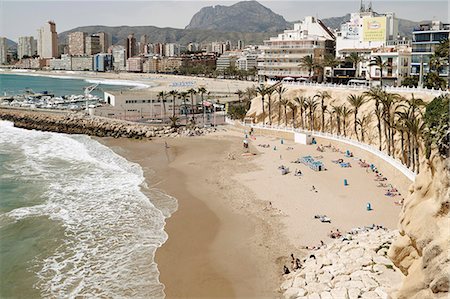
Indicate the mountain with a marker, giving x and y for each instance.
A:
(11, 44)
(169, 35)
(246, 16)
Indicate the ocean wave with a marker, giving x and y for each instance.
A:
(112, 229)
(139, 85)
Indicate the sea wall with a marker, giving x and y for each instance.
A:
(79, 123)
(422, 251)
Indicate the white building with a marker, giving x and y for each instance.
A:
(47, 43)
(119, 58)
(3, 50)
(281, 55)
(26, 46)
(227, 60)
(171, 50)
(397, 60)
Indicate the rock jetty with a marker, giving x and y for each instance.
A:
(355, 266)
(79, 123)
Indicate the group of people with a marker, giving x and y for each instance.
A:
(295, 264)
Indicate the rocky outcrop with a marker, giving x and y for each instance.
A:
(354, 267)
(79, 123)
(422, 252)
(244, 16)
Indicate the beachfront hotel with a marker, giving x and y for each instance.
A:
(281, 55)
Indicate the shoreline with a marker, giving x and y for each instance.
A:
(213, 249)
(225, 240)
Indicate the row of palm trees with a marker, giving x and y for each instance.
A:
(398, 119)
(183, 95)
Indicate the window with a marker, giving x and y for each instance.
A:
(439, 36)
(422, 37)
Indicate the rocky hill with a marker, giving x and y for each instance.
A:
(248, 16)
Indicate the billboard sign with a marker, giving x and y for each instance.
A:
(374, 29)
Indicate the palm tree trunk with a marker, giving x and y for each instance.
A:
(270, 110)
(293, 117)
(356, 127)
(263, 111)
(408, 138)
(279, 112)
(323, 117)
(285, 116)
(173, 106)
(402, 140)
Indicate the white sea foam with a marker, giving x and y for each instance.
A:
(138, 85)
(112, 229)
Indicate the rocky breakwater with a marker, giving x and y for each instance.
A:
(79, 123)
(422, 251)
(355, 266)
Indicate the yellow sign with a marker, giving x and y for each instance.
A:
(374, 29)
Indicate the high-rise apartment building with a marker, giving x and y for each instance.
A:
(77, 43)
(105, 41)
(143, 44)
(131, 46)
(47, 43)
(172, 49)
(26, 46)
(93, 45)
(3, 51)
(119, 57)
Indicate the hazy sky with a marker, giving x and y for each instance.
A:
(21, 18)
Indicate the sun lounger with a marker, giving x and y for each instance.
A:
(345, 165)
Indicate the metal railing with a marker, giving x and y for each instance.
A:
(436, 92)
(369, 148)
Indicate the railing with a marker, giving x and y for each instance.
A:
(395, 163)
(362, 87)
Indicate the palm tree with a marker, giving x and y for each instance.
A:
(345, 114)
(269, 103)
(337, 110)
(355, 59)
(312, 104)
(183, 96)
(262, 90)
(202, 91)
(308, 63)
(174, 94)
(301, 102)
(375, 94)
(323, 95)
(280, 90)
(331, 61)
(293, 107)
(356, 101)
(378, 61)
(284, 103)
(192, 92)
(162, 97)
(239, 93)
(364, 123)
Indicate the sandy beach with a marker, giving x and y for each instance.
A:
(226, 240)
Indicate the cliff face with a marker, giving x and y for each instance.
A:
(422, 252)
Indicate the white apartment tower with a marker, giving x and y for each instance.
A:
(47, 42)
(26, 46)
(3, 50)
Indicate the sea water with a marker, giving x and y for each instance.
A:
(12, 84)
(74, 220)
